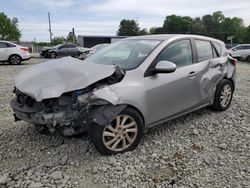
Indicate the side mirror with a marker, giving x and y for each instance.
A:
(164, 67)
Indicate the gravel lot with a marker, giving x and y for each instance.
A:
(201, 149)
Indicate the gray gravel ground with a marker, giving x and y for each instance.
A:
(201, 149)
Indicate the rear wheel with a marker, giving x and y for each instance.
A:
(223, 95)
(123, 134)
(248, 58)
(15, 60)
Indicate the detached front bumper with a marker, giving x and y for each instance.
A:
(67, 123)
(25, 113)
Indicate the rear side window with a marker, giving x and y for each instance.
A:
(217, 47)
(204, 50)
(247, 47)
(10, 45)
(179, 53)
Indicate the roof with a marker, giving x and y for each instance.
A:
(102, 36)
(169, 36)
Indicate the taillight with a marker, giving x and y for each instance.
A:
(233, 61)
(24, 49)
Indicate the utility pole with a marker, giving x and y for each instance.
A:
(50, 33)
(73, 34)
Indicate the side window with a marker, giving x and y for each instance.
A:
(215, 53)
(63, 46)
(71, 46)
(247, 47)
(217, 47)
(204, 50)
(180, 53)
(240, 48)
(3, 45)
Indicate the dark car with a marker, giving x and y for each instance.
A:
(61, 50)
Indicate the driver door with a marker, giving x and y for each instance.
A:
(170, 94)
(62, 50)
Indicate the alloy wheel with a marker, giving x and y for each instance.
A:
(15, 60)
(53, 55)
(226, 95)
(121, 133)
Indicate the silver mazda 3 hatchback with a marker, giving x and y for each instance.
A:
(125, 88)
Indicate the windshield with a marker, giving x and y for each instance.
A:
(126, 54)
(57, 46)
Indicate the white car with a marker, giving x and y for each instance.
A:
(241, 51)
(13, 53)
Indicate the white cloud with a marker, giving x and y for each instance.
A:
(103, 17)
(40, 31)
(191, 8)
(48, 4)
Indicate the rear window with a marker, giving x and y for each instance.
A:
(204, 50)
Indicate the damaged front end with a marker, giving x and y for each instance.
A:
(72, 112)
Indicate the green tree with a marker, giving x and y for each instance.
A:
(155, 30)
(128, 28)
(71, 37)
(234, 27)
(143, 31)
(247, 35)
(9, 28)
(58, 40)
(180, 24)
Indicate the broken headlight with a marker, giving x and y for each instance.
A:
(91, 99)
(84, 98)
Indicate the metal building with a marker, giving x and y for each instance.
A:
(90, 41)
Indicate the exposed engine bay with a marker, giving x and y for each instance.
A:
(73, 111)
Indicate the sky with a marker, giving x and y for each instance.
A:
(102, 17)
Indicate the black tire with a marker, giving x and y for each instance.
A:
(218, 104)
(43, 129)
(53, 55)
(96, 133)
(15, 60)
(248, 58)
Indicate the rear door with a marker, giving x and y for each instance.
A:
(212, 66)
(3, 51)
(62, 50)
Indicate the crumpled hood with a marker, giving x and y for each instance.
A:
(53, 78)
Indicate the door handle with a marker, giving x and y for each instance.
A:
(192, 74)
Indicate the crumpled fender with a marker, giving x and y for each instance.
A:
(103, 115)
(107, 94)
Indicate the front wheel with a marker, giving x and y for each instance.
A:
(123, 134)
(223, 95)
(52, 55)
